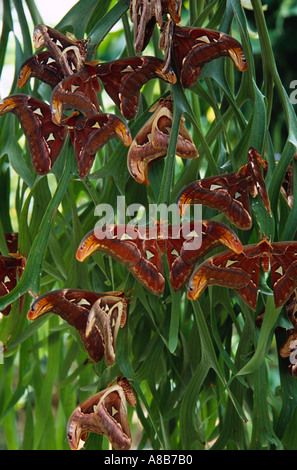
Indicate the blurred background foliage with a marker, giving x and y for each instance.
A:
(204, 374)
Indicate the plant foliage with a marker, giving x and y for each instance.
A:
(205, 375)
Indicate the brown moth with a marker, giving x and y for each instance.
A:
(74, 306)
(78, 92)
(45, 139)
(11, 269)
(67, 51)
(141, 251)
(41, 66)
(65, 55)
(108, 314)
(165, 43)
(151, 143)
(289, 349)
(123, 79)
(240, 271)
(287, 186)
(90, 134)
(104, 413)
(145, 14)
(195, 47)
(229, 193)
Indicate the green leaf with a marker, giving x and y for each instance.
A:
(104, 25)
(270, 317)
(31, 275)
(78, 17)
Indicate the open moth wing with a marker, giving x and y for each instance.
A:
(89, 135)
(228, 193)
(73, 306)
(112, 417)
(194, 47)
(78, 92)
(131, 247)
(41, 66)
(123, 79)
(104, 413)
(283, 271)
(228, 269)
(69, 52)
(45, 139)
(185, 250)
(83, 421)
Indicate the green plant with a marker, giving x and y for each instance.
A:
(204, 374)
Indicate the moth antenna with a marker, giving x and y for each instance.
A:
(91, 43)
(114, 380)
(132, 302)
(32, 294)
(92, 51)
(129, 295)
(93, 63)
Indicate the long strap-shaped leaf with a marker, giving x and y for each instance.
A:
(263, 431)
(168, 174)
(105, 24)
(270, 317)
(78, 17)
(180, 106)
(270, 66)
(188, 418)
(31, 275)
(124, 363)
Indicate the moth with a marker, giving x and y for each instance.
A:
(68, 52)
(195, 47)
(290, 345)
(75, 305)
(287, 186)
(229, 193)
(165, 42)
(11, 239)
(78, 92)
(289, 348)
(90, 134)
(11, 269)
(108, 314)
(241, 271)
(104, 413)
(45, 139)
(141, 249)
(151, 143)
(145, 14)
(41, 66)
(123, 79)
(65, 56)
